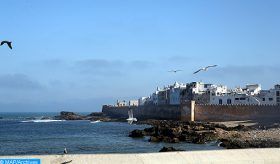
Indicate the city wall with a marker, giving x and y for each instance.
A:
(236, 112)
(198, 112)
(169, 112)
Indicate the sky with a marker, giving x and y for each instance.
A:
(77, 55)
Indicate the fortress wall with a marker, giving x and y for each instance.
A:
(236, 112)
(168, 112)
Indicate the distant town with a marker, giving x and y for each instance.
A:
(202, 93)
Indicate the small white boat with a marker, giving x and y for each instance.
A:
(130, 117)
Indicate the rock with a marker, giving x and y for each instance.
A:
(154, 139)
(151, 131)
(201, 137)
(240, 128)
(1, 118)
(69, 116)
(98, 114)
(169, 149)
(136, 133)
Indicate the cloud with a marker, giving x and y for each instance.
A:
(141, 64)
(102, 67)
(18, 81)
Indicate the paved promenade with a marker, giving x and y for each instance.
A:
(253, 156)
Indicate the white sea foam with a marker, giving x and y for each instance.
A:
(43, 121)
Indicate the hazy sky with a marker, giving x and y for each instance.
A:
(77, 55)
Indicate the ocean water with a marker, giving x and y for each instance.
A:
(20, 135)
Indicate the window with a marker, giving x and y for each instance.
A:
(263, 99)
(242, 98)
(278, 93)
(228, 101)
(220, 101)
(270, 99)
(236, 98)
(278, 99)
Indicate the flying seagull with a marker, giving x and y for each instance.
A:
(175, 71)
(8, 43)
(205, 68)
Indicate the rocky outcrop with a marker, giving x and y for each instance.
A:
(64, 115)
(202, 132)
(136, 134)
(70, 116)
(174, 132)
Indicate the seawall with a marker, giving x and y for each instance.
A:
(199, 112)
(238, 156)
(170, 112)
(260, 113)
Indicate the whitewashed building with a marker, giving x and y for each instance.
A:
(142, 101)
(121, 103)
(133, 103)
(175, 93)
(200, 87)
(251, 95)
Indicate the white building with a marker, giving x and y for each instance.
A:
(142, 101)
(175, 93)
(251, 95)
(253, 89)
(121, 103)
(200, 87)
(133, 103)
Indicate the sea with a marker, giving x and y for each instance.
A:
(27, 134)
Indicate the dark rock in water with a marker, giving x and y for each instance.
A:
(98, 114)
(150, 131)
(136, 133)
(69, 116)
(1, 118)
(155, 139)
(169, 149)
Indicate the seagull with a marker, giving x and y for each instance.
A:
(175, 71)
(65, 151)
(205, 68)
(130, 117)
(8, 43)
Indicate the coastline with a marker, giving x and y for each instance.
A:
(267, 155)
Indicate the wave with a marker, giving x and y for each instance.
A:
(43, 121)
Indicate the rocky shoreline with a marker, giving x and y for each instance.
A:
(236, 137)
(170, 131)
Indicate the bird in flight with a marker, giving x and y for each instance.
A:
(175, 71)
(205, 68)
(8, 43)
